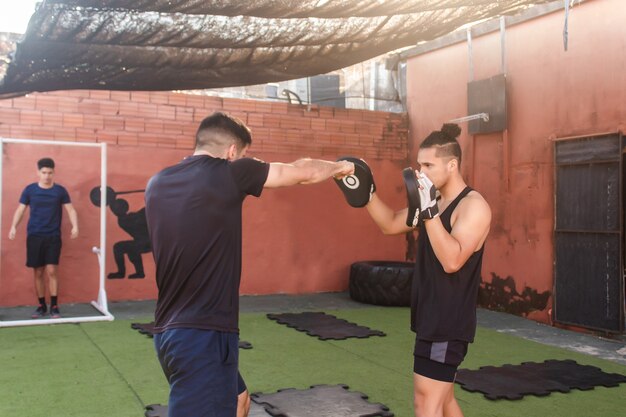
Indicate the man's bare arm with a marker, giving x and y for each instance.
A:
(468, 233)
(306, 171)
(17, 218)
(389, 221)
(71, 212)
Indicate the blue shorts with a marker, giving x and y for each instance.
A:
(201, 367)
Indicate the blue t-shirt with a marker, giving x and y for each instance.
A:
(46, 208)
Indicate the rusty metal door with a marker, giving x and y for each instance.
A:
(588, 270)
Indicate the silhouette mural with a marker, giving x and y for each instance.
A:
(133, 223)
(501, 295)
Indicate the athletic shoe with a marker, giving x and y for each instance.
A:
(40, 312)
(54, 312)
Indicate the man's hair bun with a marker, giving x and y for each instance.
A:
(451, 130)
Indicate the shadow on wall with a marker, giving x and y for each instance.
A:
(501, 295)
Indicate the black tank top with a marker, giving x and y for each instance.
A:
(443, 306)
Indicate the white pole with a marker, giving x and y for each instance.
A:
(15, 323)
(53, 142)
(102, 298)
(1, 171)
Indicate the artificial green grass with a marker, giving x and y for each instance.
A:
(109, 369)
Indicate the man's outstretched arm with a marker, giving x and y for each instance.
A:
(306, 171)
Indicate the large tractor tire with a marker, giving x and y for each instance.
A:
(382, 283)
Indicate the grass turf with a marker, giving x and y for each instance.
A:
(109, 369)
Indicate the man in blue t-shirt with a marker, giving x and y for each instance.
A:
(43, 241)
(194, 211)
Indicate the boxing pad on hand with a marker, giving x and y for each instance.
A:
(428, 198)
(359, 187)
(413, 196)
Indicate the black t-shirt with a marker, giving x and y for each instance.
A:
(193, 211)
(443, 306)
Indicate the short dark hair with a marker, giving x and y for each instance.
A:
(444, 141)
(220, 127)
(45, 163)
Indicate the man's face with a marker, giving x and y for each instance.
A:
(46, 175)
(436, 168)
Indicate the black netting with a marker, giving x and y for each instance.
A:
(175, 45)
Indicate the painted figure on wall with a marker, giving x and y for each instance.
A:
(133, 223)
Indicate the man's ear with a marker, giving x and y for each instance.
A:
(232, 152)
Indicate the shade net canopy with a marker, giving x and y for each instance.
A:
(199, 44)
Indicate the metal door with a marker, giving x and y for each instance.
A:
(588, 271)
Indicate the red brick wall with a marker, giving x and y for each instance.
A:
(163, 119)
(297, 240)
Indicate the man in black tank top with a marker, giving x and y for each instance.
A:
(193, 210)
(453, 225)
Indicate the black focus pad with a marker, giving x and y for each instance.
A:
(357, 188)
(412, 195)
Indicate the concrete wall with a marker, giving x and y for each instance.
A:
(552, 93)
(297, 240)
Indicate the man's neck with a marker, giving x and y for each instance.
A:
(453, 188)
(46, 185)
(207, 153)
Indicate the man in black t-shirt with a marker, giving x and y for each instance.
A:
(452, 232)
(194, 214)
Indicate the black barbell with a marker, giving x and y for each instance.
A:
(94, 195)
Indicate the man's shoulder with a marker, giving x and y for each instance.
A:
(247, 162)
(474, 201)
(249, 165)
(474, 195)
(30, 189)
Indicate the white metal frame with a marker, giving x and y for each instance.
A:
(101, 304)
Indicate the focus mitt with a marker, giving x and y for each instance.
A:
(359, 187)
(413, 196)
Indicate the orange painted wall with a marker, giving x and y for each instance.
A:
(297, 240)
(552, 93)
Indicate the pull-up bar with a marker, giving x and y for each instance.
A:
(483, 116)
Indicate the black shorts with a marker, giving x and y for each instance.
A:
(42, 251)
(438, 360)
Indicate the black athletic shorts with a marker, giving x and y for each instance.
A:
(438, 360)
(42, 251)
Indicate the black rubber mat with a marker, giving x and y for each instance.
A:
(158, 410)
(144, 328)
(148, 330)
(320, 401)
(513, 382)
(324, 326)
